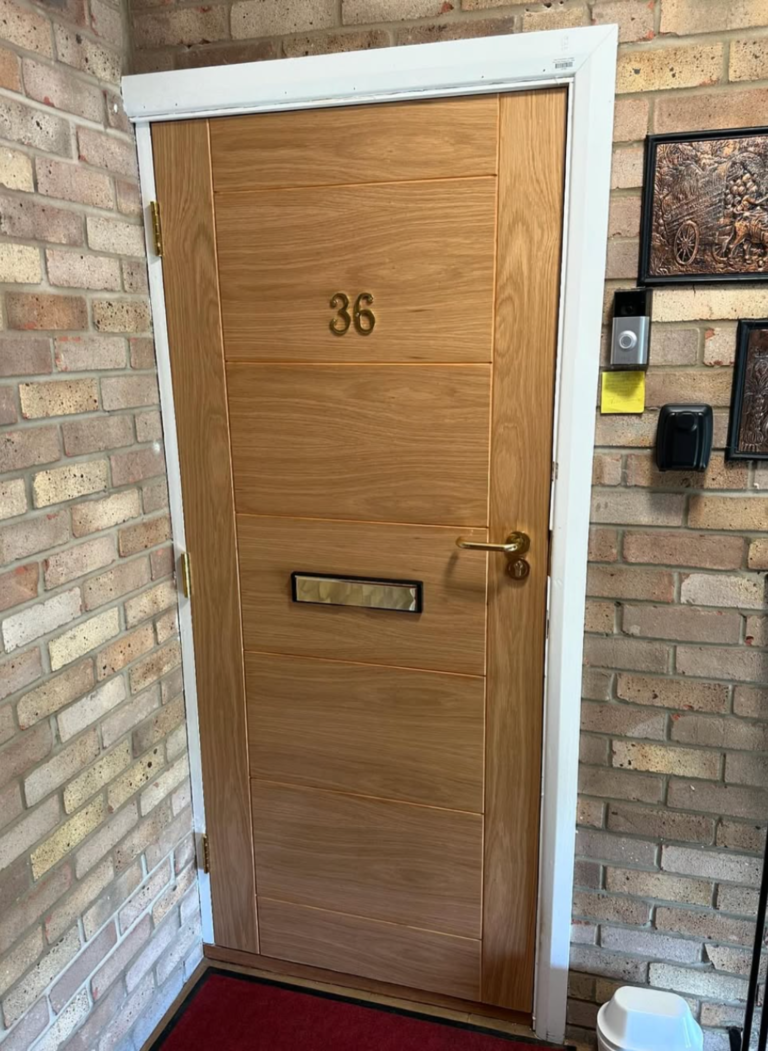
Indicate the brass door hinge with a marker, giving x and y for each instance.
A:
(157, 233)
(205, 852)
(185, 570)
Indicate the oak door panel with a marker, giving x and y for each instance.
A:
(449, 635)
(388, 732)
(532, 151)
(183, 175)
(425, 251)
(415, 865)
(386, 952)
(388, 443)
(356, 144)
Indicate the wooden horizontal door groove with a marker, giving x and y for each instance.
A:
(348, 185)
(313, 362)
(449, 635)
(362, 796)
(423, 251)
(362, 521)
(264, 900)
(327, 146)
(361, 664)
(444, 963)
(372, 444)
(375, 858)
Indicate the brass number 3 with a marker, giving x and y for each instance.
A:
(364, 319)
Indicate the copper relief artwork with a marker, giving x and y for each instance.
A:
(748, 437)
(706, 208)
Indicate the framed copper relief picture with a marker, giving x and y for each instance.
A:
(705, 207)
(748, 425)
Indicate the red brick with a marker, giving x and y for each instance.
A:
(673, 693)
(10, 70)
(56, 87)
(18, 585)
(24, 751)
(128, 198)
(120, 959)
(722, 662)
(627, 582)
(630, 119)
(19, 671)
(603, 545)
(37, 221)
(72, 182)
(123, 651)
(637, 507)
(8, 412)
(31, 535)
(25, 356)
(642, 470)
(135, 278)
(627, 654)
(97, 434)
(431, 33)
(28, 448)
(125, 577)
(79, 270)
(102, 150)
(684, 549)
(161, 562)
(87, 55)
(36, 310)
(124, 392)
(683, 625)
(32, 126)
(144, 535)
(717, 109)
(661, 824)
(77, 972)
(142, 352)
(136, 465)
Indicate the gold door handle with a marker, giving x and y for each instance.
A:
(514, 547)
(515, 544)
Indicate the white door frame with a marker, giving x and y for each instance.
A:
(585, 61)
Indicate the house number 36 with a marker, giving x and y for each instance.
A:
(362, 317)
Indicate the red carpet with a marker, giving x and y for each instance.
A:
(229, 1013)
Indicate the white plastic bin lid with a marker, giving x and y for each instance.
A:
(647, 1020)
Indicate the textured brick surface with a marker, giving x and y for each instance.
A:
(73, 850)
(673, 780)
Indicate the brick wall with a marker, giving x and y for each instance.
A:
(674, 801)
(99, 917)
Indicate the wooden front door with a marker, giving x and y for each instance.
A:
(362, 311)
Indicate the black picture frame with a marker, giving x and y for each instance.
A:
(698, 194)
(735, 448)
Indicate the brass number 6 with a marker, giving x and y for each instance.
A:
(364, 318)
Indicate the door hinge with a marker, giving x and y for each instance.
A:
(205, 853)
(157, 233)
(185, 571)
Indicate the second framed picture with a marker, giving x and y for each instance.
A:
(705, 207)
(748, 425)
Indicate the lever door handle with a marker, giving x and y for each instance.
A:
(516, 544)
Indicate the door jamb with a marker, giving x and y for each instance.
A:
(584, 60)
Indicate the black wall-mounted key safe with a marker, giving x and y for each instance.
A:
(684, 438)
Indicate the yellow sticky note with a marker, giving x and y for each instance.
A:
(623, 392)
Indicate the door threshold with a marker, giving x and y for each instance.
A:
(366, 990)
